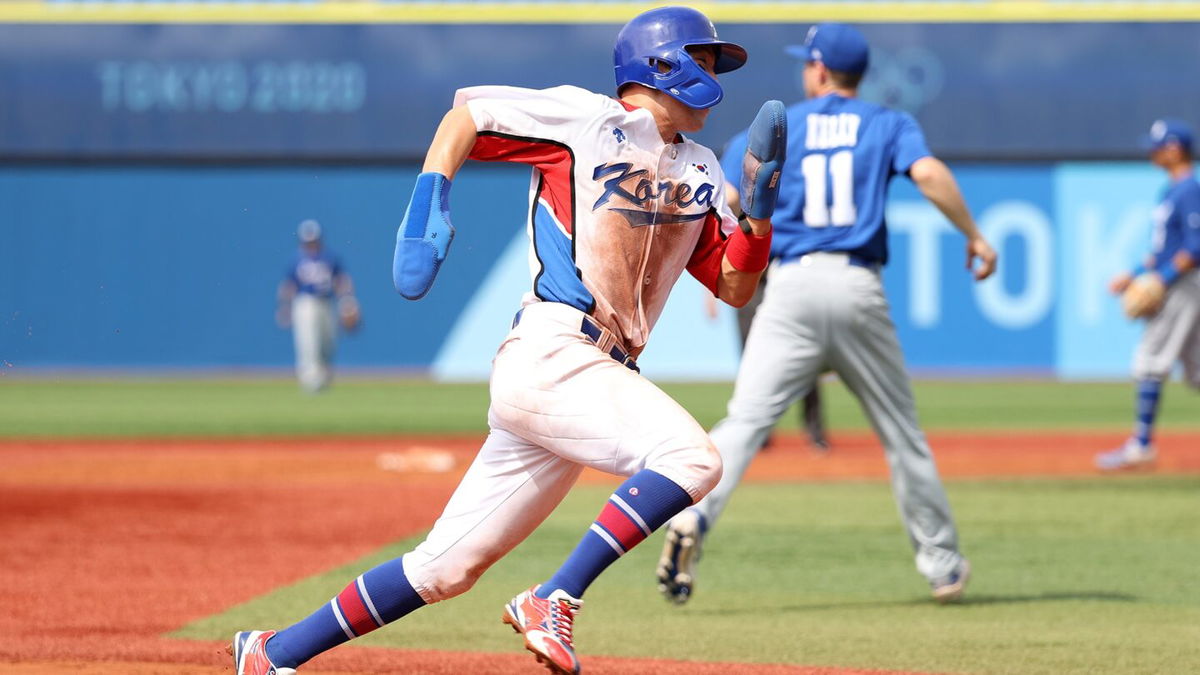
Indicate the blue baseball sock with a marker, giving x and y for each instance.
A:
(640, 506)
(1147, 409)
(375, 598)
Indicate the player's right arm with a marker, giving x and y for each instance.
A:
(508, 124)
(452, 143)
(935, 181)
(425, 233)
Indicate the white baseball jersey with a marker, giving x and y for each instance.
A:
(616, 214)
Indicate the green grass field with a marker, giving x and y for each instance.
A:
(1087, 575)
(256, 407)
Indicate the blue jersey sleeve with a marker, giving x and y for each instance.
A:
(731, 159)
(910, 144)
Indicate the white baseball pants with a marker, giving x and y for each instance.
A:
(559, 404)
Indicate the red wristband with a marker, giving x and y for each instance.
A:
(748, 252)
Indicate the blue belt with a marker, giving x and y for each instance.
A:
(593, 332)
(852, 259)
(859, 261)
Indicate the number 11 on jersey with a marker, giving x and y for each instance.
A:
(837, 172)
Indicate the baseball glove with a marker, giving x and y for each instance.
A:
(763, 162)
(1144, 296)
(349, 314)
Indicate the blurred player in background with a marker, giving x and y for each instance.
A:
(825, 307)
(621, 204)
(316, 294)
(812, 413)
(1164, 290)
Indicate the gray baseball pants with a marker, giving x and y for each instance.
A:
(314, 329)
(822, 313)
(1173, 335)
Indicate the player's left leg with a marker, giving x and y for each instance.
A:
(545, 612)
(599, 413)
(555, 388)
(510, 488)
(867, 356)
(306, 338)
(326, 336)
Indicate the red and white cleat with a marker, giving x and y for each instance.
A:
(547, 625)
(249, 651)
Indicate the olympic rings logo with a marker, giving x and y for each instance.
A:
(907, 79)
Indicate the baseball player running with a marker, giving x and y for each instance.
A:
(621, 203)
(315, 295)
(1164, 290)
(824, 307)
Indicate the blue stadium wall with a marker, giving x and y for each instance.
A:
(151, 177)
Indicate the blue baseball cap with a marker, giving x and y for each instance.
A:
(309, 231)
(839, 46)
(1166, 131)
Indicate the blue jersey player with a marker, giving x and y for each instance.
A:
(1165, 290)
(825, 309)
(315, 292)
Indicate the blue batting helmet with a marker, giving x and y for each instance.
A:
(663, 35)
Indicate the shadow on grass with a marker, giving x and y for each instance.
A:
(969, 601)
(1096, 596)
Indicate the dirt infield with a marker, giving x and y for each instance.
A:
(108, 545)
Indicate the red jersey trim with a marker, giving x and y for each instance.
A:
(705, 263)
(554, 160)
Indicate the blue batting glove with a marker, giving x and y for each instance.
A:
(424, 237)
(763, 162)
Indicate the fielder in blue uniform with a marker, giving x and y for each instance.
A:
(824, 308)
(315, 294)
(1164, 290)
